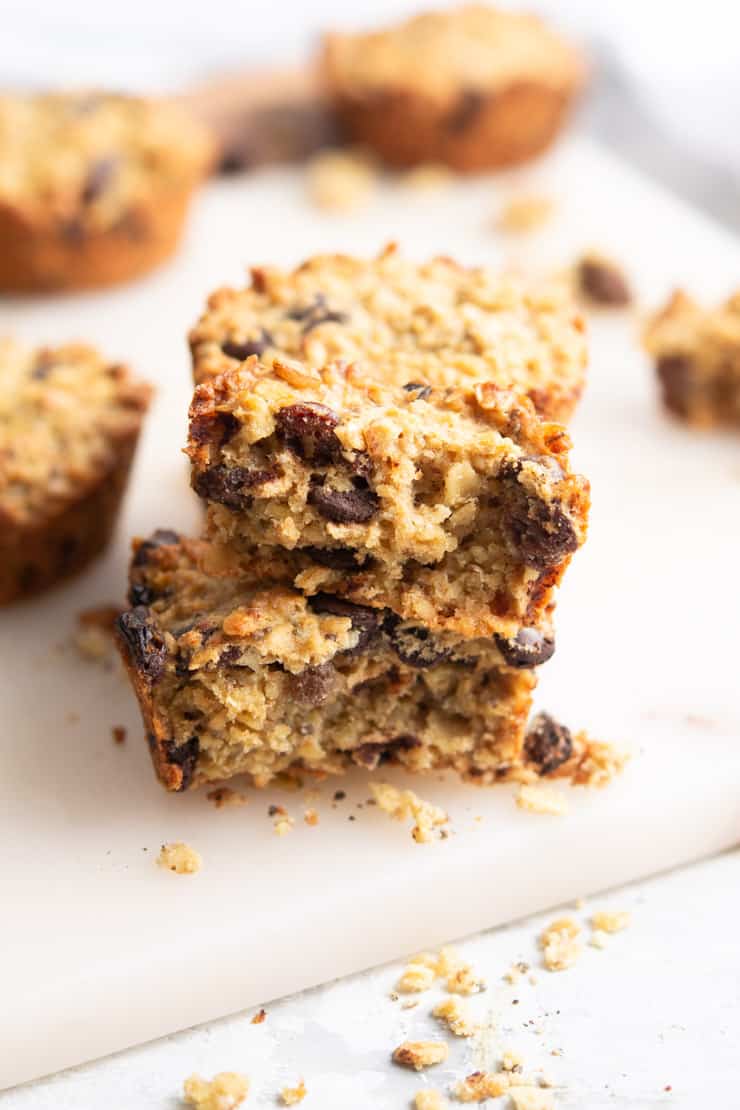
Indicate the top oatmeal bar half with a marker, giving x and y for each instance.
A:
(437, 323)
(450, 506)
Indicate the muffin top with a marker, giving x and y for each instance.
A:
(475, 46)
(63, 414)
(96, 155)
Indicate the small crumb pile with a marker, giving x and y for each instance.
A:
(604, 922)
(341, 180)
(452, 1012)
(283, 823)
(291, 1096)
(225, 1091)
(538, 798)
(422, 971)
(179, 857)
(429, 1100)
(420, 1054)
(405, 805)
(525, 213)
(560, 944)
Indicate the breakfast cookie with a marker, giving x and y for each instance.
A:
(94, 187)
(474, 87)
(69, 424)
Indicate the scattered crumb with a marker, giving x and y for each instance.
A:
(560, 944)
(416, 977)
(601, 281)
(410, 1004)
(179, 857)
(430, 177)
(405, 804)
(420, 1054)
(480, 1085)
(515, 972)
(453, 1014)
(609, 922)
(311, 817)
(599, 763)
(525, 213)
(341, 180)
(276, 811)
(531, 1098)
(94, 636)
(598, 939)
(339, 795)
(292, 1095)
(429, 1100)
(283, 826)
(511, 1061)
(259, 1017)
(225, 1091)
(224, 796)
(119, 734)
(537, 798)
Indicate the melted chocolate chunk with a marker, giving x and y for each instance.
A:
(351, 506)
(364, 620)
(315, 313)
(337, 558)
(163, 537)
(603, 282)
(145, 645)
(371, 755)
(548, 744)
(539, 530)
(213, 427)
(184, 756)
(674, 373)
(139, 594)
(308, 430)
(422, 391)
(229, 485)
(99, 177)
(529, 648)
(314, 685)
(254, 346)
(414, 645)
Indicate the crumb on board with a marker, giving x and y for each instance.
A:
(119, 734)
(531, 1098)
(225, 1091)
(452, 1012)
(95, 632)
(284, 825)
(601, 281)
(525, 212)
(429, 177)
(341, 180)
(311, 817)
(600, 763)
(259, 1017)
(429, 1099)
(179, 857)
(598, 939)
(224, 796)
(291, 1096)
(422, 970)
(560, 945)
(406, 805)
(482, 1085)
(511, 1060)
(538, 798)
(420, 1054)
(515, 972)
(416, 977)
(607, 921)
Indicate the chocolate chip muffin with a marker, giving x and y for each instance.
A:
(452, 506)
(438, 324)
(69, 424)
(238, 672)
(697, 359)
(474, 87)
(94, 187)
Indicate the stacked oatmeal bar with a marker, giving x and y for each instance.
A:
(390, 509)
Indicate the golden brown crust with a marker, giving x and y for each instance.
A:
(37, 256)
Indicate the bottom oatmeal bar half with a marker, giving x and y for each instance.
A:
(236, 673)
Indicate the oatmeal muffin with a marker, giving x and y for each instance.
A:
(436, 323)
(453, 506)
(237, 672)
(94, 187)
(697, 359)
(69, 424)
(473, 87)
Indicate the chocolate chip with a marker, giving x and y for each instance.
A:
(99, 177)
(314, 685)
(468, 106)
(371, 755)
(548, 744)
(337, 558)
(230, 656)
(414, 645)
(315, 313)
(351, 506)
(308, 430)
(674, 373)
(365, 620)
(422, 391)
(213, 427)
(257, 345)
(228, 485)
(184, 756)
(163, 537)
(528, 648)
(139, 594)
(539, 530)
(145, 645)
(603, 282)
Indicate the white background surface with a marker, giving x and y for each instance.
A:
(246, 927)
